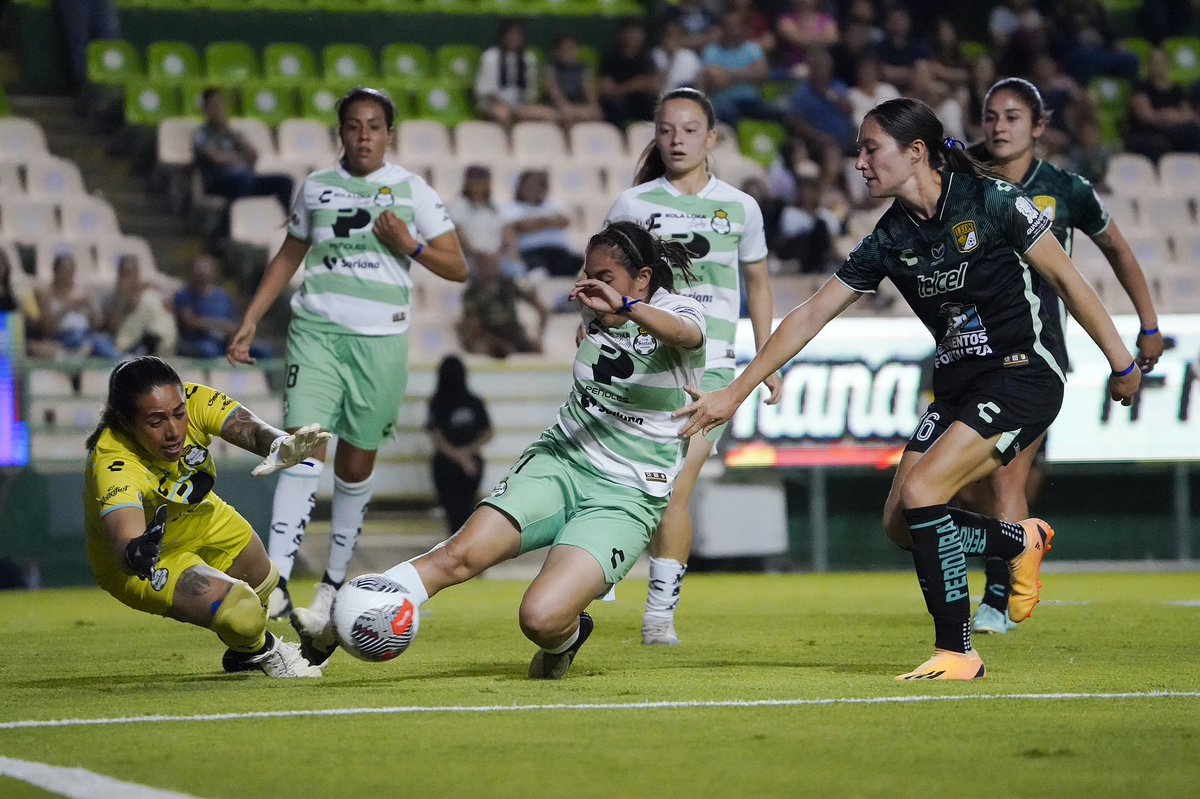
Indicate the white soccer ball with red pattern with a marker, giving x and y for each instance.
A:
(374, 617)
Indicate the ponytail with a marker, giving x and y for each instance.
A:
(634, 247)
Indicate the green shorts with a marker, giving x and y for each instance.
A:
(350, 385)
(555, 500)
(715, 380)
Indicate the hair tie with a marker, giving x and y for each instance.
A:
(950, 143)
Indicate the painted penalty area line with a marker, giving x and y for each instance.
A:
(699, 704)
(79, 783)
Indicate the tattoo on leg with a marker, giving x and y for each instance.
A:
(193, 584)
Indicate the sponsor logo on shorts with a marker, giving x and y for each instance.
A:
(158, 580)
(655, 477)
(1016, 359)
(399, 317)
(500, 488)
(966, 236)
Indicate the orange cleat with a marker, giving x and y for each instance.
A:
(1025, 568)
(947, 665)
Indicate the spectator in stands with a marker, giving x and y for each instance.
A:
(945, 100)
(205, 313)
(756, 23)
(1012, 19)
(678, 65)
(792, 165)
(1161, 118)
(900, 48)
(136, 314)
(869, 89)
(734, 71)
(83, 21)
(1089, 155)
(12, 298)
(983, 75)
(540, 223)
(801, 28)
(819, 109)
(226, 159)
(629, 80)
(1066, 102)
(482, 231)
(806, 230)
(1082, 37)
(570, 84)
(950, 65)
(490, 324)
(459, 427)
(506, 85)
(69, 315)
(854, 45)
(699, 25)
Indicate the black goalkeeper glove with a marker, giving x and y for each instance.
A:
(142, 553)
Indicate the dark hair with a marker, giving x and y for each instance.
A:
(369, 95)
(129, 381)
(908, 120)
(651, 164)
(211, 92)
(451, 388)
(1026, 92)
(635, 247)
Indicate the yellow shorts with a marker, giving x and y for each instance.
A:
(213, 536)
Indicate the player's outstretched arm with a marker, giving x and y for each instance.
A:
(278, 449)
(278, 272)
(1133, 280)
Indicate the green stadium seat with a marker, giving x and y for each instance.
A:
(759, 140)
(318, 100)
(1140, 48)
(971, 49)
(113, 62)
(191, 96)
(408, 61)
(573, 8)
(149, 102)
(401, 92)
(289, 62)
(268, 101)
(511, 7)
(458, 63)
(347, 63)
(230, 62)
(1112, 106)
(395, 6)
(447, 102)
(1184, 54)
(452, 6)
(172, 61)
(591, 57)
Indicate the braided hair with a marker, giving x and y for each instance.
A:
(130, 381)
(634, 247)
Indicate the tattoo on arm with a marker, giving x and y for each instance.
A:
(1105, 242)
(244, 429)
(192, 583)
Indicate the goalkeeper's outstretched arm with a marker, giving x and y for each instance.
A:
(279, 450)
(244, 429)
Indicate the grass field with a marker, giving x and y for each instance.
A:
(782, 687)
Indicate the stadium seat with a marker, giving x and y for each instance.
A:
(47, 249)
(1124, 209)
(1184, 54)
(1178, 288)
(318, 100)
(10, 178)
(50, 383)
(480, 141)
(597, 143)
(1151, 249)
(174, 144)
(571, 181)
(424, 141)
(443, 102)
(1179, 174)
(88, 219)
(735, 169)
(348, 63)
(26, 221)
(1111, 96)
(113, 62)
(52, 178)
(93, 383)
(230, 62)
(408, 61)
(259, 221)
(172, 61)
(191, 97)
(458, 63)
(256, 132)
(1186, 245)
(539, 142)
(21, 139)
(241, 384)
(148, 103)
(637, 136)
(760, 140)
(305, 142)
(289, 63)
(1139, 47)
(268, 102)
(1165, 214)
(1130, 173)
(1089, 259)
(110, 250)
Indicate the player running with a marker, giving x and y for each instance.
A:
(958, 245)
(159, 539)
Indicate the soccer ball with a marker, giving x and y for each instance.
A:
(374, 617)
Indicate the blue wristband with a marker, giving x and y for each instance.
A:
(627, 305)
(1151, 332)
(420, 249)
(1128, 370)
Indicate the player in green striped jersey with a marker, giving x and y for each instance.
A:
(357, 229)
(595, 485)
(959, 246)
(677, 197)
(1014, 118)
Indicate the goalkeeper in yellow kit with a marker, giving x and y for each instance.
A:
(159, 539)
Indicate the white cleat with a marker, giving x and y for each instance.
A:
(283, 660)
(314, 619)
(657, 631)
(989, 621)
(279, 604)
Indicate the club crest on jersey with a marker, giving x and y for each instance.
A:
(158, 580)
(908, 258)
(644, 343)
(966, 236)
(385, 197)
(500, 488)
(193, 455)
(1047, 205)
(720, 222)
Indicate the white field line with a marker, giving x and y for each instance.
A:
(688, 705)
(79, 783)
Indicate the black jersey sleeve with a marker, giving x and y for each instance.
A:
(1017, 219)
(863, 269)
(1087, 209)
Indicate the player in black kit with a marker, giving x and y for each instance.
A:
(959, 245)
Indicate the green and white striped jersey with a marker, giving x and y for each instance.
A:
(352, 282)
(627, 384)
(721, 228)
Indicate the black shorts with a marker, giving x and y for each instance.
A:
(1016, 404)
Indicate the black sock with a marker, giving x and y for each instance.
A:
(999, 583)
(942, 572)
(282, 583)
(325, 578)
(983, 535)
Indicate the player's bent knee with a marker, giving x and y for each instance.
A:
(241, 619)
(541, 622)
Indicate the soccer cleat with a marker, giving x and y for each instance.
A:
(1024, 569)
(280, 660)
(659, 631)
(989, 621)
(316, 647)
(547, 666)
(279, 604)
(233, 662)
(947, 665)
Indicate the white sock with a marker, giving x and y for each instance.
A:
(295, 495)
(666, 581)
(565, 645)
(349, 507)
(406, 574)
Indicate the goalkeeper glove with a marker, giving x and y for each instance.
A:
(142, 553)
(287, 451)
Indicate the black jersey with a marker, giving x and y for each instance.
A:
(964, 274)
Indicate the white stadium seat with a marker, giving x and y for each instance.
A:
(259, 221)
(424, 141)
(28, 221)
(52, 178)
(1165, 213)
(1130, 173)
(597, 143)
(306, 143)
(256, 133)
(88, 218)
(539, 142)
(175, 141)
(479, 142)
(21, 139)
(1179, 173)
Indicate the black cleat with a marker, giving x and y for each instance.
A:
(546, 666)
